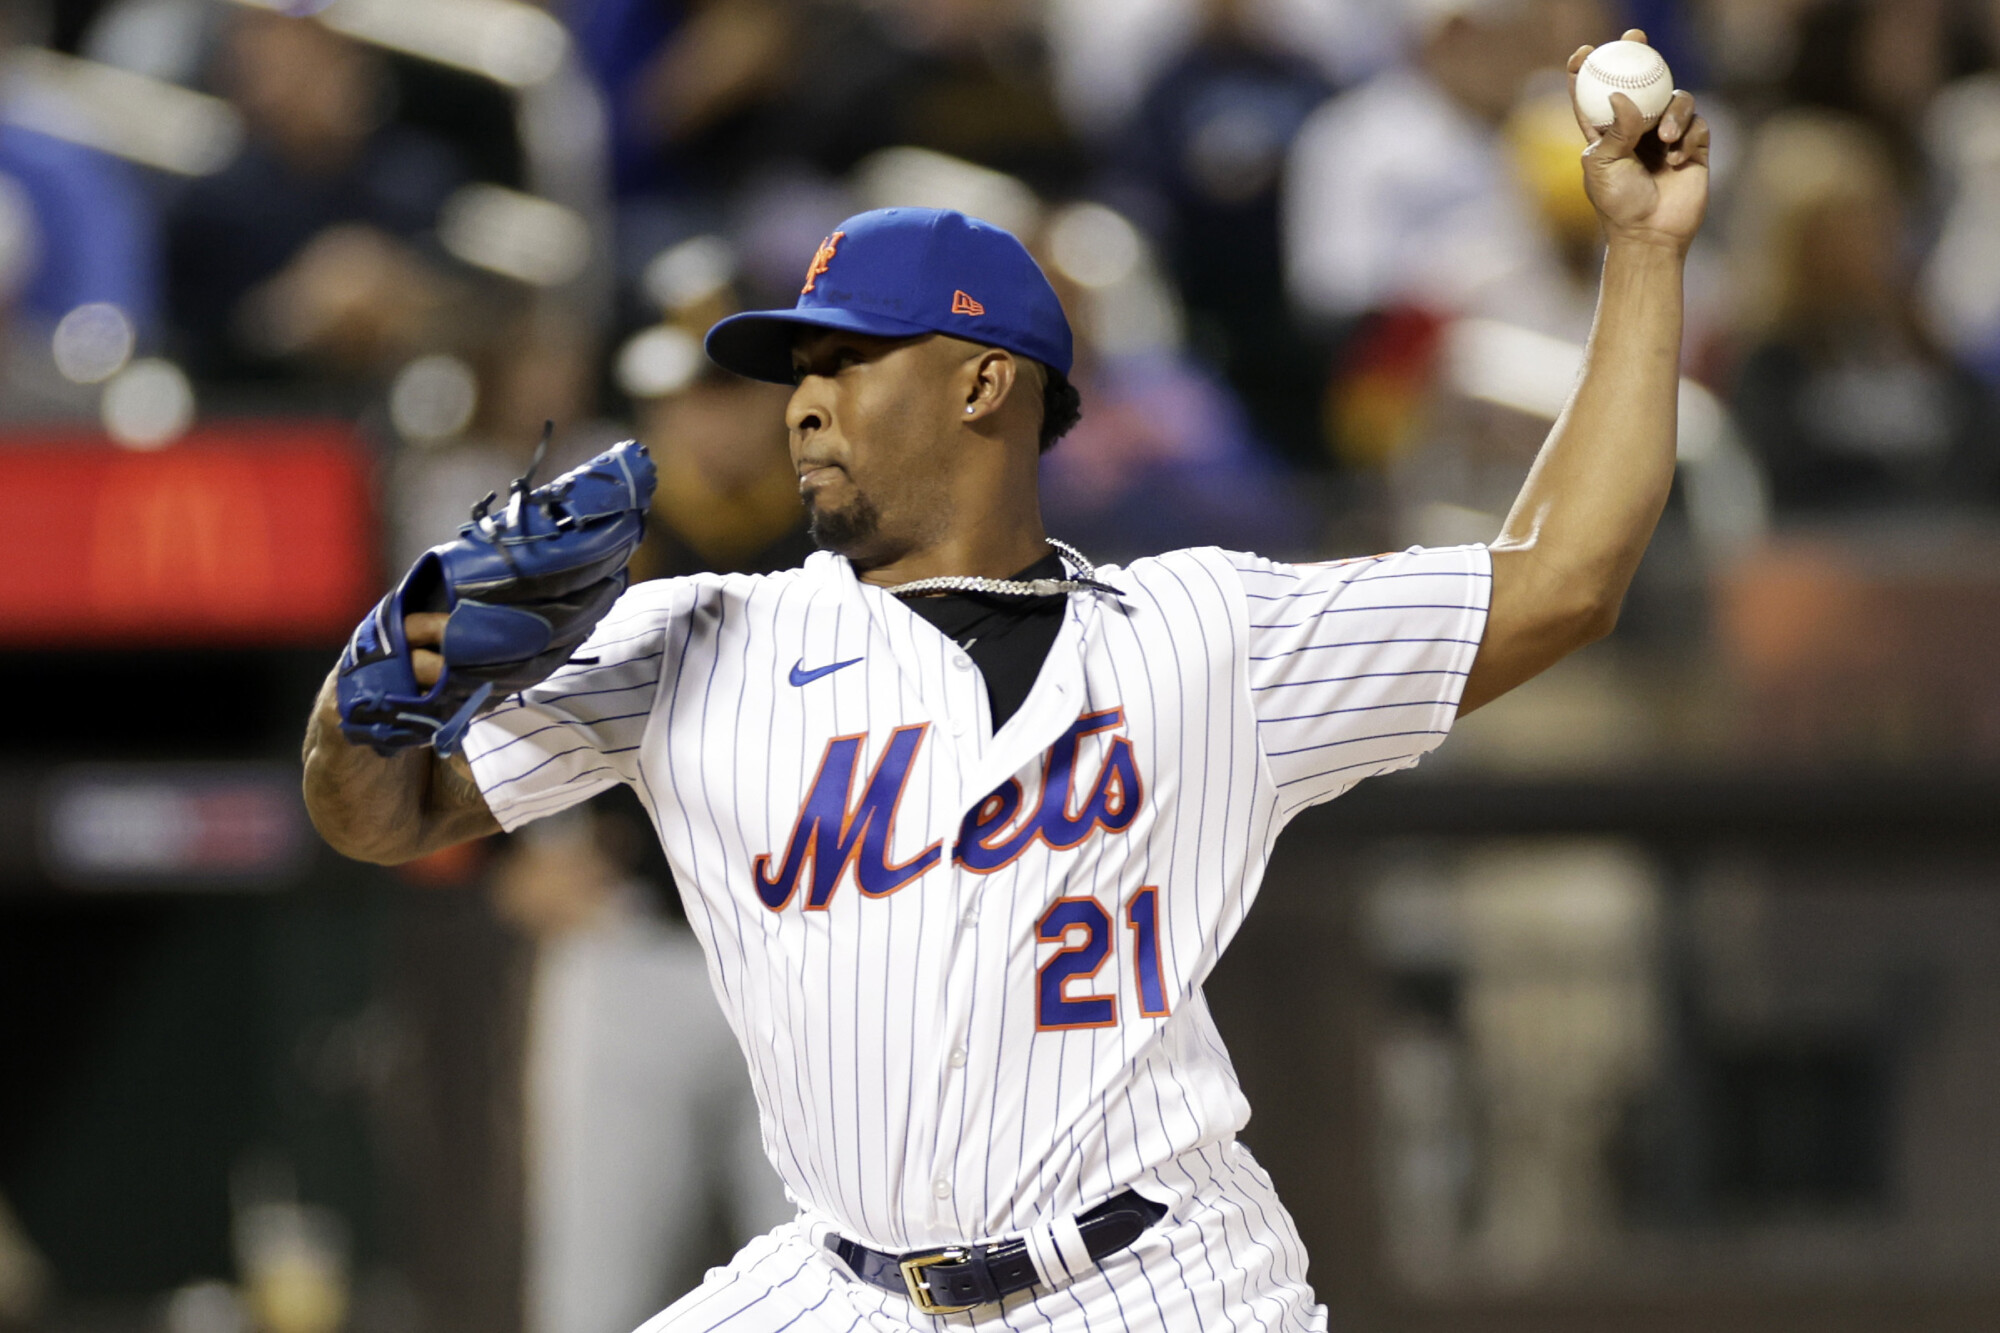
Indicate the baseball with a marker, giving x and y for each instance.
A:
(1632, 68)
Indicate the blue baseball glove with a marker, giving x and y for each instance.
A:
(522, 587)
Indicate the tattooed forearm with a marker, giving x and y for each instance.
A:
(386, 810)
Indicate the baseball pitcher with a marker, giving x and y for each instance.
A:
(962, 821)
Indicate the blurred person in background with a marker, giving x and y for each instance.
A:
(1883, 62)
(32, 388)
(971, 78)
(1107, 53)
(1166, 455)
(301, 257)
(641, 1124)
(1960, 282)
(1401, 193)
(81, 229)
(469, 412)
(1839, 390)
(1208, 143)
(679, 76)
(728, 495)
(712, 99)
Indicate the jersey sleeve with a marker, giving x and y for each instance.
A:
(581, 730)
(1356, 666)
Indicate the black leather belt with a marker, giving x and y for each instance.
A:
(960, 1277)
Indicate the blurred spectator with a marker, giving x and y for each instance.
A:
(728, 497)
(1841, 393)
(641, 1121)
(708, 98)
(674, 71)
(1209, 141)
(1165, 455)
(1164, 458)
(1563, 1025)
(31, 386)
(176, 41)
(1108, 52)
(94, 226)
(1881, 61)
(971, 78)
(1961, 278)
(469, 419)
(300, 254)
(1401, 193)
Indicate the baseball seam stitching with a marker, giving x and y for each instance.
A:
(1624, 80)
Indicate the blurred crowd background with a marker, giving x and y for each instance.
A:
(1662, 997)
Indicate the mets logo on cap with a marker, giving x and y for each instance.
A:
(821, 258)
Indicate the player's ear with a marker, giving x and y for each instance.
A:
(991, 382)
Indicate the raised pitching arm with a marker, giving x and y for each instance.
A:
(1575, 535)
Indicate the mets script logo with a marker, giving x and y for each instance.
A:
(821, 258)
(834, 831)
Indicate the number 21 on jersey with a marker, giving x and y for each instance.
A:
(1084, 930)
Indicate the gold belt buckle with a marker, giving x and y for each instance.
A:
(920, 1291)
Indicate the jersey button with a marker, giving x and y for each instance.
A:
(961, 661)
(958, 727)
(941, 1188)
(958, 1057)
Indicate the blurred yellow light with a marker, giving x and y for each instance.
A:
(1093, 246)
(1545, 146)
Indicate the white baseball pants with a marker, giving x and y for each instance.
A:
(1229, 1261)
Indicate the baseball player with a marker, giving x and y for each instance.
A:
(963, 822)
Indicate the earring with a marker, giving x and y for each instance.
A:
(968, 409)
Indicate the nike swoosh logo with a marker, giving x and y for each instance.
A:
(800, 676)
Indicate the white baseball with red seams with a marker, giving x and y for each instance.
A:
(965, 965)
(1632, 68)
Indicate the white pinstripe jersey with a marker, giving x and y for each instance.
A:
(966, 968)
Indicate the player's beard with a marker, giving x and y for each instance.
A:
(844, 530)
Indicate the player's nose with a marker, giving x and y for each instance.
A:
(806, 412)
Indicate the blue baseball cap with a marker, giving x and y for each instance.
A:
(900, 272)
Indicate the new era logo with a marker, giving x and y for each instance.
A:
(961, 304)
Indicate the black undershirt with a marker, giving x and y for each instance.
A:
(1007, 637)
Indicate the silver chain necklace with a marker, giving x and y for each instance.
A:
(1085, 581)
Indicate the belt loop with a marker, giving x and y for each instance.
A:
(982, 1276)
(1069, 1244)
(1044, 1255)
